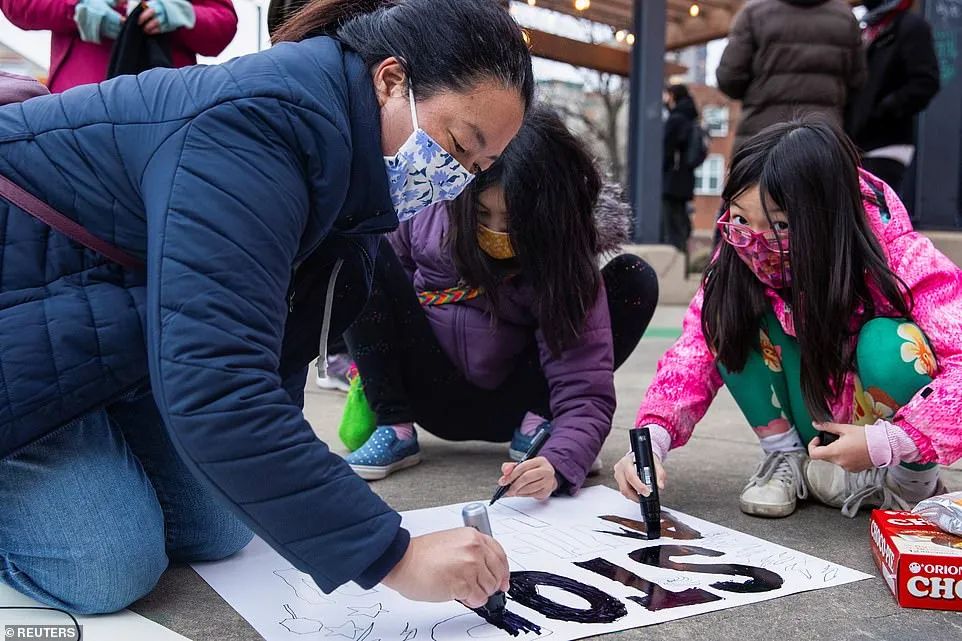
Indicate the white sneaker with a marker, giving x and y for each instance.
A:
(833, 486)
(336, 378)
(332, 383)
(775, 487)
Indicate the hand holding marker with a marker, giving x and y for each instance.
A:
(476, 515)
(645, 464)
(536, 444)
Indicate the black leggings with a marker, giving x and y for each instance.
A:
(409, 379)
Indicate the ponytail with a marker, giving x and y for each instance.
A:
(445, 45)
(318, 17)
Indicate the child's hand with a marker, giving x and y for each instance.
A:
(850, 451)
(534, 478)
(150, 22)
(627, 477)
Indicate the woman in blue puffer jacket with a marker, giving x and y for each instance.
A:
(137, 403)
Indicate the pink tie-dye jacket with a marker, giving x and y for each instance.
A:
(688, 379)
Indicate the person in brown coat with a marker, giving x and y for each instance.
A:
(786, 58)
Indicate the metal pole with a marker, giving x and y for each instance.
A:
(938, 193)
(645, 128)
(260, 26)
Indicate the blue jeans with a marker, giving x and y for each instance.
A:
(91, 514)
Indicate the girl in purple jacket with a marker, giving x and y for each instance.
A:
(490, 318)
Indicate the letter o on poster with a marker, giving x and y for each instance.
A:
(602, 607)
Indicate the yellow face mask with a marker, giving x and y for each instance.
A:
(496, 244)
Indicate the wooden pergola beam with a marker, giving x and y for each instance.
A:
(682, 30)
(712, 24)
(584, 54)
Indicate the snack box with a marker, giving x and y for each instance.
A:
(921, 564)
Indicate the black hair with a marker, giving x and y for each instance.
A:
(551, 185)
(443, 44)
(677, 92)
(809, 170)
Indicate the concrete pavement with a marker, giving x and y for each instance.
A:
(705, 479)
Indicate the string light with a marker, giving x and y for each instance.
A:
(526, 37)
(531, 3)
(620, 35)
(582, 5)
(630, 39)
(694, 11)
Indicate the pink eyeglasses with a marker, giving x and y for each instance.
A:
(743, 235)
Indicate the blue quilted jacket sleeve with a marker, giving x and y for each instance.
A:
(225, 226)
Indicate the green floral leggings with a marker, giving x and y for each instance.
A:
(893, 362)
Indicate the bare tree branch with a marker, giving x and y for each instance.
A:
(599, 115)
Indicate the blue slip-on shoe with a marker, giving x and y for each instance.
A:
(383, 454)
(521, 443)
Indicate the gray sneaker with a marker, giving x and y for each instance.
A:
(775, 487)
(851, 491)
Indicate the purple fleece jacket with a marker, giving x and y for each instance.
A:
(580, 379)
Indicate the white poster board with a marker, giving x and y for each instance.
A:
(22, 617)
(580, 567)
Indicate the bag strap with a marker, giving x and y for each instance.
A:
(69, 228)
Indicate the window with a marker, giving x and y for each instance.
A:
(716, 121)
(710, 176)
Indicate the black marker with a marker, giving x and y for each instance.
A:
(476, 515)
(536, 444)
(645, 464)
(826, 438)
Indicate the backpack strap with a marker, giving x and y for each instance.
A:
(70, 228)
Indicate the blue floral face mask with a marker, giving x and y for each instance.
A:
(422, 173)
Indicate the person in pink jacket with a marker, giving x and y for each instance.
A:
(83, 32)
(836, 327)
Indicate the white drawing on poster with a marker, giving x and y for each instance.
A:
(303, 586)
(300, 625)
(408, 633)
(348, 630)
(580, 567)
(371, 611)
(526, 535)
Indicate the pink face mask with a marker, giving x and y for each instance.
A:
(765, 253)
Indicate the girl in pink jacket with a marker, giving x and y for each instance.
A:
(83, 32)
(836, 326)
